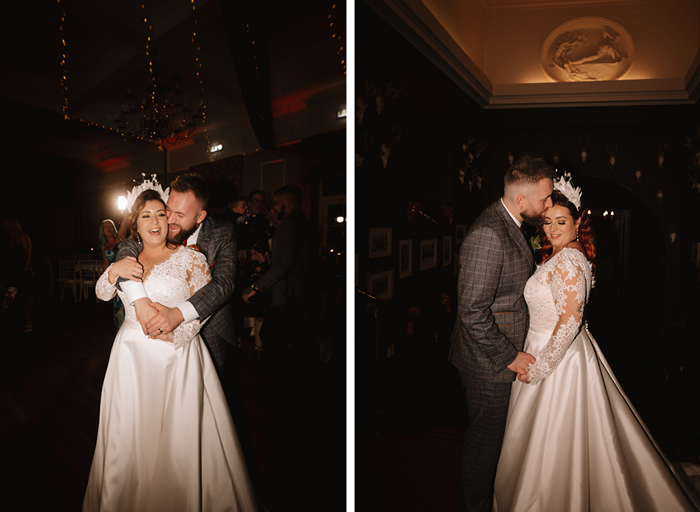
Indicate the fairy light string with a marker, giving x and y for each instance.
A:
(152, 136)
(338, 37)
(64, 72)
(198, 70)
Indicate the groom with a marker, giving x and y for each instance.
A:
(188, 222)
(495, 263)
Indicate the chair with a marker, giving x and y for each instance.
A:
(67, 276)
(87, 270)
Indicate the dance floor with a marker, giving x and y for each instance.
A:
(409, 427)
(291, 424)
(412, 418)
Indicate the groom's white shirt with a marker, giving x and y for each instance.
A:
(518, 222)
(135, 290)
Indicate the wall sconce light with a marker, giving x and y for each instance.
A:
(659, 195)
(585, 151)
(216, 148)
(612, 158)
(340, 219)
(342, 113)
(121, 202)
(672, 235)
(661, 155)
(638, 174)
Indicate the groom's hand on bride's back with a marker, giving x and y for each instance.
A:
(521, 364)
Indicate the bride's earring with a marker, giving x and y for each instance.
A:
(577, 237)
(137, 237)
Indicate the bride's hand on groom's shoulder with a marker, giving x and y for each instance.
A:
(128, 268)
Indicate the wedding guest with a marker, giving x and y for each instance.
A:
(110, 243)
(256, 265)
(291, 319)
(21, 258)
(237, 209)
(256, 222)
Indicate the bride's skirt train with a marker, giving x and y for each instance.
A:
(166, 440)
(574, 442)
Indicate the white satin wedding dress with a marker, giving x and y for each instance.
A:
(166, 440)
(573, 440)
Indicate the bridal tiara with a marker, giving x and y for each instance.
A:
(564, 185)
(146, 184)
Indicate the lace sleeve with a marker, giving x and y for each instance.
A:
(103, 288)
(568, 286)
(197, 276)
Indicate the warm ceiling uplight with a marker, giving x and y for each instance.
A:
(121, 202)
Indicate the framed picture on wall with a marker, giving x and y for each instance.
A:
(380, 284)
(428, 253)
(447, 250)
(460, 233)
(405, 258)
(379, 242)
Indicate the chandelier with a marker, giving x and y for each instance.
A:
(161, 117)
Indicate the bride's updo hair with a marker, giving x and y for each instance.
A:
(586, 235)
(139, 203)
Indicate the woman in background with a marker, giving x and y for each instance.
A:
(110, 243)
(21, 256)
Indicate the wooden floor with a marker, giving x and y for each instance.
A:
(292, 426)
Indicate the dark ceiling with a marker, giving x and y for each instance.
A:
(106, 57)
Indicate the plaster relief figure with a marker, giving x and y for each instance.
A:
(587, 49)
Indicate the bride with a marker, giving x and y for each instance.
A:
(573, 440)
(166, 440)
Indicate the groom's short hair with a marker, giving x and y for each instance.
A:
(194, 183)
(528, 171)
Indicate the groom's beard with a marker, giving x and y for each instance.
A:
(533, 219)
(182, 235)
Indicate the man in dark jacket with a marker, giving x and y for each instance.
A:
(290, 322)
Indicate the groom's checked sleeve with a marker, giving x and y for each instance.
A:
(133, 290)
(482, 259)
(221, 257)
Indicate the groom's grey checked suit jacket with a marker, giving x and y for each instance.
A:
(217, 243)
(492, 319)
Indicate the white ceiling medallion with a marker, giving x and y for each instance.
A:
(587, 50)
